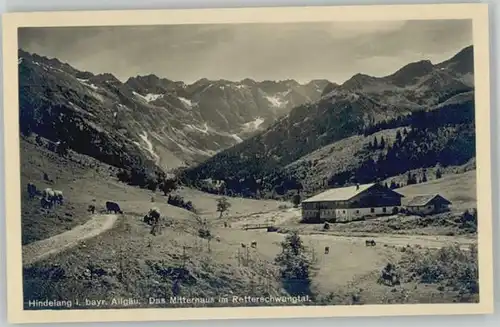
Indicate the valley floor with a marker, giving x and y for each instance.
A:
(117, 256)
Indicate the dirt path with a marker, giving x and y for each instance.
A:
(40, 250)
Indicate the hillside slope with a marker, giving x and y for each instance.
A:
(74, 174)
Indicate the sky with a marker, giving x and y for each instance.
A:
(301, 51)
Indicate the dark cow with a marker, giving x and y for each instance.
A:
(253, 244)
(152, 217)
(154, 213)
(370, 243)
(113, 207)
(327, 249)
(44, 203)
(32, 191)
(91, 208)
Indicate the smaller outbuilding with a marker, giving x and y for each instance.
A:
(428, 204)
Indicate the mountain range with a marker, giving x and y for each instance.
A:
(250, 132)
(347, 110)
(149, 119)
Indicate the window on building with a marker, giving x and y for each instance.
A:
(384, 210)
(343, 211)
(372, 210)
(357, 211)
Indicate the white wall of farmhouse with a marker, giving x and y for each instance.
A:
(347, 214)
(358, 213)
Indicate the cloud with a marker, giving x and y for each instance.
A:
(302, 51)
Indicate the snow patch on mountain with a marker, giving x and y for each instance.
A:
(203, 130)
(253, 125)
(276, 101)
(86, 83)
(140, 96)
(149, 146)
(237, 138)
(186, 102)
(468, 79)
(152, 97)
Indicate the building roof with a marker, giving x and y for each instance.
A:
(422, 200)
(340, 194)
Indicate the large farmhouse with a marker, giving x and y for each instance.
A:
(351, 203)
(427, 204)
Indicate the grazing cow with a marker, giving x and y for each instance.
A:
(44, 203)
(32, 191)
(154, 215)
(370, 243)
(243, 245)
(58, 196)
(327, 249)
(253, 244)
(49, 196)
(113, 207)
(91, 208)
(48, 192)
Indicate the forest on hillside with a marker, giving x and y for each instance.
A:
(444, 136)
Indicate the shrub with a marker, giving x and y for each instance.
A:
(189, 206)
(204, 233)
(152, 185)
(449, 266)
(223, 205)
(468, 220)
(390, 275)
(178, 201)
(295, 267)
(167, 186)
(296, 200)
